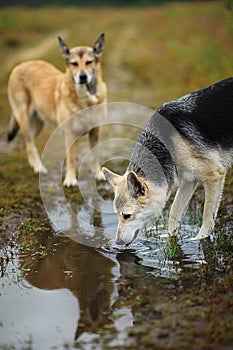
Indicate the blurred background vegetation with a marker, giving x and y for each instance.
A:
(88, 3)
(154, 52)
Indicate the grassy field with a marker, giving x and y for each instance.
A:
(152, 54)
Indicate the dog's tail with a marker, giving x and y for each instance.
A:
(12, 129)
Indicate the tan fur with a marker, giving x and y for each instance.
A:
(209, 168)
(39, 91)
(193, 166)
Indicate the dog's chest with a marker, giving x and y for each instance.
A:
(84, 98)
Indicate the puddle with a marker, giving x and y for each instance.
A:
(69, 286)
(56, 292)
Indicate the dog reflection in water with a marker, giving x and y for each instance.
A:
(92, 287)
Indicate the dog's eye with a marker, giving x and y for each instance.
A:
(74, 63)
(126, 216)
(89, 62)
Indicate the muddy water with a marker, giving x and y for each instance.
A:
(56, 291)
(66, 285)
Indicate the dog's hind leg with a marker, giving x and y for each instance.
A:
(22, 118)
(19, 99)
(180, 204)
(213, 186)
(32, 153)
(36, 123)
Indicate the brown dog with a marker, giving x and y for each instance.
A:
(38, 91)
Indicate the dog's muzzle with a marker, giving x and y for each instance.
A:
(83, 78)
(120, 241)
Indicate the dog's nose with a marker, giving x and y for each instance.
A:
(83, 78)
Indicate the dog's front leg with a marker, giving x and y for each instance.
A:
(94, 140)
(180, 204)
(70, 177)
(213, 190)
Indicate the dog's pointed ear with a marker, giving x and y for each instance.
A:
(135, 186)
(111, 177)
(64, 47)
(99, 46)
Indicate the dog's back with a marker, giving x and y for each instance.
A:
(32, 84)
(204, 117)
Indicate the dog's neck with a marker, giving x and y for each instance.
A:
(78, 93)
(91, 87)
(97, 78)
(152, 156)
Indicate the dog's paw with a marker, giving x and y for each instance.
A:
(194, 239)
(41, 169)
(70, 182)
(199, 237)
(172, 232)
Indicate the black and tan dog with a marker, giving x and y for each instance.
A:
(188, 140)
(38, 91)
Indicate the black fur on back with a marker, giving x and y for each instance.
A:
(204, 117)
(206, 114)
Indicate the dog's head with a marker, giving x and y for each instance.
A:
(136, 200)
(83, 60)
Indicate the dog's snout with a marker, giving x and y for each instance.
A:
(120, 241)
(83, 78)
